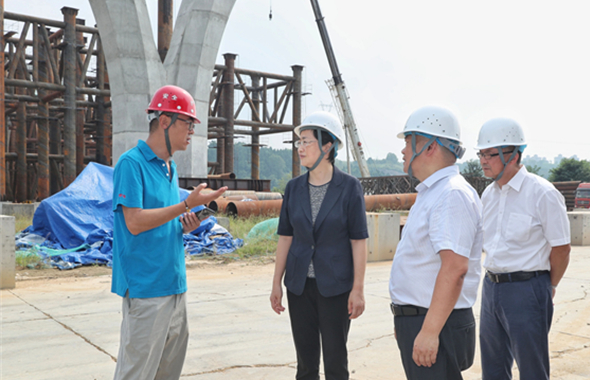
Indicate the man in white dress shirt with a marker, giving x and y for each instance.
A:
(527, 245)
(436, 268)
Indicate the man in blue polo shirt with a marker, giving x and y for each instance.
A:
(148, 254)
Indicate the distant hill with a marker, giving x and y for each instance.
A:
(275, 164)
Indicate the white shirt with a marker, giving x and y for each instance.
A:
(447, 215)
(522, 221)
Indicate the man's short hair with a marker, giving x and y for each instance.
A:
(156, 121)
(449, 156)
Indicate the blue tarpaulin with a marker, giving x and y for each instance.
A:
(75, 226)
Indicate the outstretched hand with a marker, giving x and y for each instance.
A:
(195, 198)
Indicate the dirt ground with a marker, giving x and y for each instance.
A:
(222, 264)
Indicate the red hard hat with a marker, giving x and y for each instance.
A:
(173, 99)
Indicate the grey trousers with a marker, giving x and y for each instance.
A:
(154, 338)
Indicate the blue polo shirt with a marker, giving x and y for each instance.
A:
(150, 264)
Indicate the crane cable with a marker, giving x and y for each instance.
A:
(270, 13)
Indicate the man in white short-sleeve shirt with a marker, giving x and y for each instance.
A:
(436, 268)
(527, 245)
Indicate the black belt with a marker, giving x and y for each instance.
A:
(514, 276)
(407, 310)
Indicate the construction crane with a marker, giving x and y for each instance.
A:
(340, 95)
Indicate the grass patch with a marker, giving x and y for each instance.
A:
(29, 260)
(261, 249)
(21, 222)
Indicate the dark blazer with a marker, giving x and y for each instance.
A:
(341, 218)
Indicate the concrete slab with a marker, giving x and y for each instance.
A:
(383, 235)
(7, 252)
(26, 210)
(68, 328)
(579, 227)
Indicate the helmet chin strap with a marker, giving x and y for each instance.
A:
(414, 154)
(172, 121)
(504, 162)
(322, 153)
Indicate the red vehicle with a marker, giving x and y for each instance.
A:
(583, 196)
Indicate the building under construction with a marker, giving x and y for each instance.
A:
(58, 115)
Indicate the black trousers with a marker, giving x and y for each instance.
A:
(316, 318)
(456, 348)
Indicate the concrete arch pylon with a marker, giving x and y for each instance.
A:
(136, 72)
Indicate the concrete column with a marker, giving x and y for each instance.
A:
(100, 109)
(190, 63)
(136, 72)
(134, 67)
(297, 70)
(7, 254)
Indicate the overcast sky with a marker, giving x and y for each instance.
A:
(527, 60)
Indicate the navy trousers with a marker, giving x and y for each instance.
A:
(456, 348)
(514, 324)
(314, 318)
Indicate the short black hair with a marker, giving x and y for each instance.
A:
(154, 123)
(327, 138)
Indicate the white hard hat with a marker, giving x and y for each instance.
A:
(500, 132)
(434, 121)
(326, 121)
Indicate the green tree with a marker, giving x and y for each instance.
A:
(571, 169)
(533, 169)
(472, 168)
(282, 183)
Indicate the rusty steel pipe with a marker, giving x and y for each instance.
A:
(21, 150)
(165, 27)
(3, 172)
(237, 192)
(219, 205)
(222, 176)
(42, 130)
(297, 71)
(228, 112)
(245, 209)
(46, 22)
(390, 201)
(255, 139)
(53, 86)
(266, 196)
(252, 197)
(80, 113)
(256, 73)
(69, 76)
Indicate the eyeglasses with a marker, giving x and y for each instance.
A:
(487, 156)
(189, 122)
(303, 143)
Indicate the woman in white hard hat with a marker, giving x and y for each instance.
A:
(321, 251)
